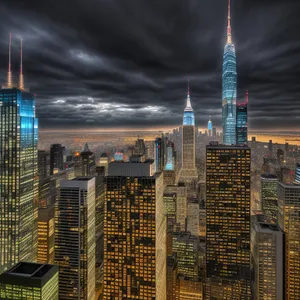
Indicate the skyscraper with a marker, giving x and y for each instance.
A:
(289, 221)
(242, 122)
(18, 177)
(159, 154)
(75, 238)
(188, 172)
(268, 259)
(87, 161)
(134, 233)
(170, 162)
(56, 158)
(229, 77)
(30, 281)
(209, 127)
(269, 197)
(228, 220)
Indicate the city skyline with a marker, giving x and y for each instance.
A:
(119, 69)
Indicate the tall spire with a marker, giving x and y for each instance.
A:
(247, 97)
(229, 37)
(188, 99)
(9, 76)
(21, 81)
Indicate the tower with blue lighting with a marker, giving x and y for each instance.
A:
(209, 127)
(188, 172)
(18, 174)
(229, 78)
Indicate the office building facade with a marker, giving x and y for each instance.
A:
(134, 233)
(75, 238)
(228, 218)
(268, 259)
(269, 197)
(289, 222)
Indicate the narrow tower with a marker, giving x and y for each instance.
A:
(209, 127)
(229, 77)
(242, 121)
(21, 81)
(188, 172)
(9, 75)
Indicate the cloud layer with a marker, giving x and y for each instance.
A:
(116, 63)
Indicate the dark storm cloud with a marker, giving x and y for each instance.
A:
(116, 63)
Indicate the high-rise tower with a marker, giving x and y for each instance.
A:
(229, 88)
(209, 127)
(18, 177)
(188, 172)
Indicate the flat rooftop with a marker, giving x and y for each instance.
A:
(29, 274)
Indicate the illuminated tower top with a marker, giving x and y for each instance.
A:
(229, 37)
(21, 80)
(209, 124)
(9, 75)
(188, 115)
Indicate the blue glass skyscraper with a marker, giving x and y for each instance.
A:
(18, 177)
(229, 78)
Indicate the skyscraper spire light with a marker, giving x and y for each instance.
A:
(9, 75)
(229, 37)
(188, 115)
(188, 99)
(21, 81)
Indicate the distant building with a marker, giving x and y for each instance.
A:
(75, 238)
(170, 163)
(269, 197)
(88, 162)
(188, 172)
(228, 197)
(268, 259)
(181, 203)
(103, 162)
(18, 177)
(159, 154)
(209, 127)
(56, 158)
(185, 246)
(134, 233)
(43, 164)
(193, 210)
(242, 122)
(30, 281)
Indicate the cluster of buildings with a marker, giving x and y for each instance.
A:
(160, 222)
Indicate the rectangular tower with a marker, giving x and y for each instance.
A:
(134, 233)
(75, 238)
(289, 221)
(268, 259)
(242, 122)
(228, 218)
(269, 197)
(18, 177)
(56, 158)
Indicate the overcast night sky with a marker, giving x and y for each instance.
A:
(125, 63)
